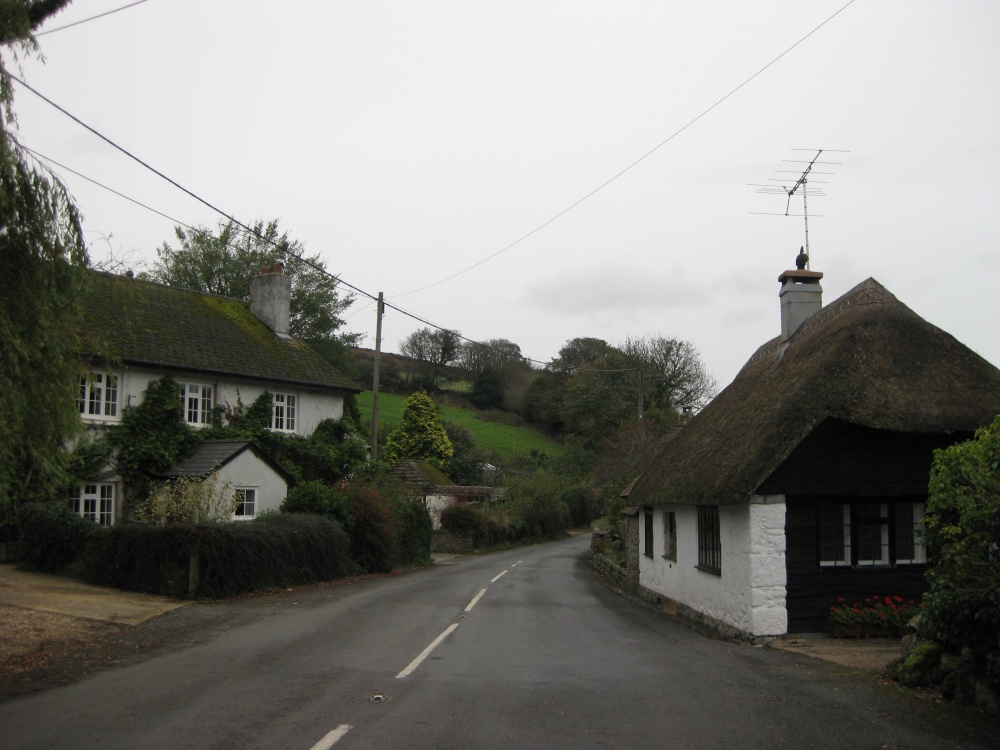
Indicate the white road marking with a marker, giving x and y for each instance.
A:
(332, 738)
(426, 652)
(475, 599)
(497, 578)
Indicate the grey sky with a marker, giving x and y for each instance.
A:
(406, 141)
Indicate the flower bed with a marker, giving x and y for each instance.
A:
(875, 617)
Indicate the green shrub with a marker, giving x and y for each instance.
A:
(962, 605)
(385, 529)
(581, 504)
(190, 500)
(536, 500)
(231, 559)
(51, 536)
(415, 532)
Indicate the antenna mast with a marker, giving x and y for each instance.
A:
(800, 186)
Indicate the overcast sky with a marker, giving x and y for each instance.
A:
(406, 141)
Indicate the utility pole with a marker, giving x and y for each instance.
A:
(378, 352)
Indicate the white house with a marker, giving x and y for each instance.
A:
(221, 352)
(806, 478)
(259, 483)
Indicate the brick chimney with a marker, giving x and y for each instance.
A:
(271, 297)
(801, 296)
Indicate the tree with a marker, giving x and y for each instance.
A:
(420, 436)
(45, 258)
(433, 350)
(672, 372)
(224, 261)
(494, 367)
(962, 606)
(466, 465)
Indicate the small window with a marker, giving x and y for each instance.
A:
(648, 532)
(98, 396)
(283, 412)
(246, 507)
(834, 520)
(872, 528)
(909, 533)
(95, 502)
(867, 534)
(669, 536)
(709, 539)
(196, 403)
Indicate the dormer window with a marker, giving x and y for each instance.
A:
(98, 396)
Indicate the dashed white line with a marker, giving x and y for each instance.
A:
(498, 577)
(426, 652)
(332, 738)
(474, 600)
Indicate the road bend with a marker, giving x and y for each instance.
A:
(514, 650)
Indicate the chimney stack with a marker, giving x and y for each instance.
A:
(801, 296)
(271, 297)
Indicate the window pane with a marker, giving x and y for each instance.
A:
(834, 525)
(909, 533)
(709, 539)
(111, 397)
(873, 533)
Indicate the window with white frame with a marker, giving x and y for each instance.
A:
(246, 506)
(98, 396)
(283, 412)
(95, 502)
(871, 534)
(196, 403)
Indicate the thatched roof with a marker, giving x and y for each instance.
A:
(143, 323)
(866, 359)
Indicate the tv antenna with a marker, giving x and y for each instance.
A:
(800, 185)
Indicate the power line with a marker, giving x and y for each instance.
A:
(92, 18)
(629, 167)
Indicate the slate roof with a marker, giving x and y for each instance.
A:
(143, 323)
(432, 480)
(212, 455)
(866, 359)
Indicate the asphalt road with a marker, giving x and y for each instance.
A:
(522, 649)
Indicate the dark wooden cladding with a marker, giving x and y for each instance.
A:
(812, 590)
(838, 458)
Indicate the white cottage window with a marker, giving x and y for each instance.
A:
(283, 412)
(196, 403)
(868, 534)
(95, 502)
(246, 507)
(98, 396)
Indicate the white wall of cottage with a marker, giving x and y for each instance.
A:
(312, 405)
(247, 471)
(749, 595)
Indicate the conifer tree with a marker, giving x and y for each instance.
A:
(420, 436)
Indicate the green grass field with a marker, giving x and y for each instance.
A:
(504, 440)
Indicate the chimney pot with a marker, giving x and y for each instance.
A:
(265, 270)
(278, 267)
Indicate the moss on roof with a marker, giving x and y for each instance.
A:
(143, 323)
(866, 359)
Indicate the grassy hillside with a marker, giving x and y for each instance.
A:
(502, 439)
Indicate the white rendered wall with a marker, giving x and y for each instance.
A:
(246, 470)
(312, 406)
(749, 595)
(768, 613)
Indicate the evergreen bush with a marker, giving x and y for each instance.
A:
(51, 536)
(229, 559)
